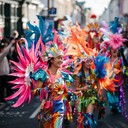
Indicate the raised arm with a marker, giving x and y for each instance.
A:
(6, 50)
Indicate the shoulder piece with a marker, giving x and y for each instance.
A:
(39, 75)
(79, 74)
(67, 77)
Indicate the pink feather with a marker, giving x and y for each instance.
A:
(17, 70)
(18, 65)
(17, 74)
(20, 53)
(26, 54)
(66, 62)
(17, 81)
(116, 41)
(21, 99)
(21, 89)
(55, 37)
(28, 62)
(17, 86)
(22, 62)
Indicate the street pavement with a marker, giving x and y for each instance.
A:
(26, 116)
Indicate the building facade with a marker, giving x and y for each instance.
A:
(8, 16)
(14, 15)
(117, 8)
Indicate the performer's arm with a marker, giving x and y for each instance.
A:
(39, 84)
(6, 50)
(84, 88)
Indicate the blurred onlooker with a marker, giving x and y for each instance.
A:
(13, 53)
(4, 68)
(15, 34)
(126, 51)
(124, 54)
(126, 60)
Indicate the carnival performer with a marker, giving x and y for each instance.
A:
(116, 68)
(89, 98)
(52, 82)
(42, 64)
(93, 95)
(89, 72)
(93, 33)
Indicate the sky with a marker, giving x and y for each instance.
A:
(97, 6)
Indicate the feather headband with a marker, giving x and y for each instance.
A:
(116, 41)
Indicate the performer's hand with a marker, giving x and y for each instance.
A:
(85, 88)
(100, 93)
(80, 118)
(78, 93)
(116, 71)
(42, 104)
(13, 42)
(33, 92)
(53, 85)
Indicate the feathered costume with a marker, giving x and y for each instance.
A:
(80, 50)
(115, 68)
(93, 33)
(33, 66)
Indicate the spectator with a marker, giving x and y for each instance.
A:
(4, 68)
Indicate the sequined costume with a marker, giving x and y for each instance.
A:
(113, 40)
(52, 106)
(115, 98)
(90, 96)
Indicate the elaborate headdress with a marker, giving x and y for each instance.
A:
(33, 56)
(52, 51)
(93, 33)
(116, 41)
(112, 35)
(81, 50)
(78, 47)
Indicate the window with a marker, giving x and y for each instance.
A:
(1, 9)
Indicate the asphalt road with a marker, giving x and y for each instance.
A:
(26, 116)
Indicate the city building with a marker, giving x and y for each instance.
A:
(14, 15)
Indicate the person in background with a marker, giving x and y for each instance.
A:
(116, 70)
(4, 68)
(124, 54)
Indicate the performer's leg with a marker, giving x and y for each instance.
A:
(57, 120)
(89, 118)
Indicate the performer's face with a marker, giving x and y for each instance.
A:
(114, 52)
(57, 61)
(88, 63)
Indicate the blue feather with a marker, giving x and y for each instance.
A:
(42, 25)
(34, 29)
(28, 38)
(100, 62)
(114, 25)
(49, 34)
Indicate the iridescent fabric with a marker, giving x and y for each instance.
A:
(52, 112)
(116, 72)
(89, 96)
